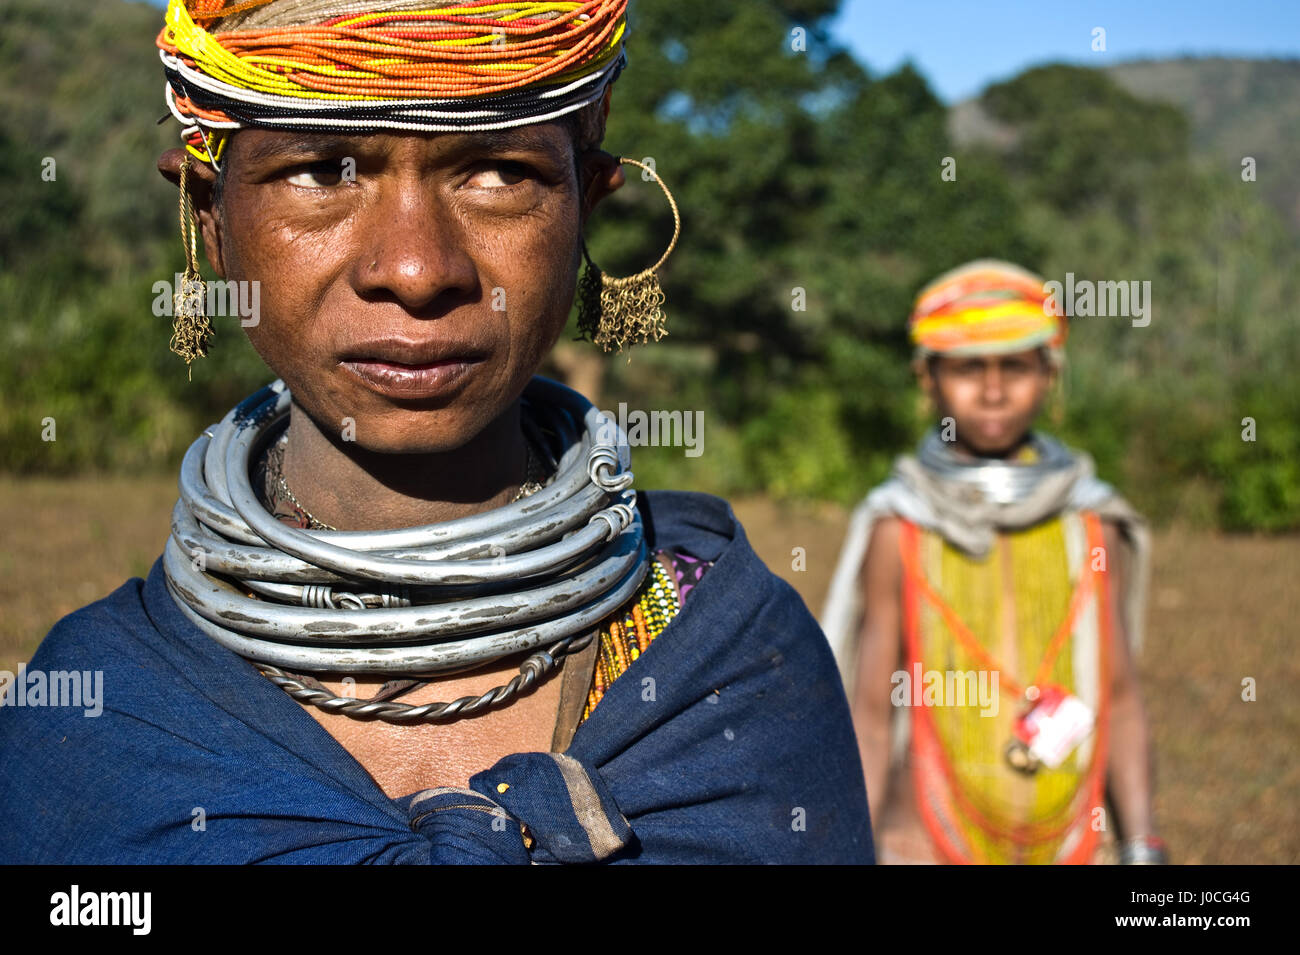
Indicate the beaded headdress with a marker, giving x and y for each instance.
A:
(419, 65)
(986, 307)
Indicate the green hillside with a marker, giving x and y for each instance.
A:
(1237, 108)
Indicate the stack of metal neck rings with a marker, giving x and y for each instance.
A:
(539, 574)
(1000, 481)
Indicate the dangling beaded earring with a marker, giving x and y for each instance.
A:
(1056, 401)
(191, 328)
(620, 311)
(924, 407)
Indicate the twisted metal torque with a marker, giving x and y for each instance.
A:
(534, 668)
(414, 602)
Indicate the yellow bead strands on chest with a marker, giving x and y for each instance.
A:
(623, 640)
(976, 807)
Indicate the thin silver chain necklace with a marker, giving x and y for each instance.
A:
(532, 484)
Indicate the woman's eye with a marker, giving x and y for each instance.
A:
(499, 175)
(318, 175)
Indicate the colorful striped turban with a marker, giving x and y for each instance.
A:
(985, 307)
(349, 66)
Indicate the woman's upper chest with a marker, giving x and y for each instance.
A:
(403, 759)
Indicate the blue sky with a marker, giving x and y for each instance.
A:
(963, 45)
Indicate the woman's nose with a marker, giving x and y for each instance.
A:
(416, 249)
(992, 382)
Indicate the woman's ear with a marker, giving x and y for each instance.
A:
(927, 401)
(924, 378)
(602, 175)
(199, 181)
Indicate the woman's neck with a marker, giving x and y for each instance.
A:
(341, 484)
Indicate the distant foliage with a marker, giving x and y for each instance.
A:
(81, 83)
(813, 209)
(1160, 406)
(1261, 478)
(794, 170)
(1242, 108)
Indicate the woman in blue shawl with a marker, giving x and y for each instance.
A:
(411, 609)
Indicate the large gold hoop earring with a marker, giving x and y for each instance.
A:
(615, 312)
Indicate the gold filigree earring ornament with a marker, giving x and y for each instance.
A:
(620, 311)
(191, 328)
(1056, 401)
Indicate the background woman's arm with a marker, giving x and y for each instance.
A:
(879, 642)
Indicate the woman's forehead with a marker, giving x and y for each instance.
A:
(257, 145)
(1015, 358)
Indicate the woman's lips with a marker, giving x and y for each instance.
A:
(428, 380)
(993, 427)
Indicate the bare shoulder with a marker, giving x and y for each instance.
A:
(882, 564)
(885, 536)
(887, 528)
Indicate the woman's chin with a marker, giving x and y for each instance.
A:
(994, 444)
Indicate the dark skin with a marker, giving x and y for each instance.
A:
(993, 401)
(406, 259)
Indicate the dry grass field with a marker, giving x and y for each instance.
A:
(1223, 608)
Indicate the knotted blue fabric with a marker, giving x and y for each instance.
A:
(728, 741)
